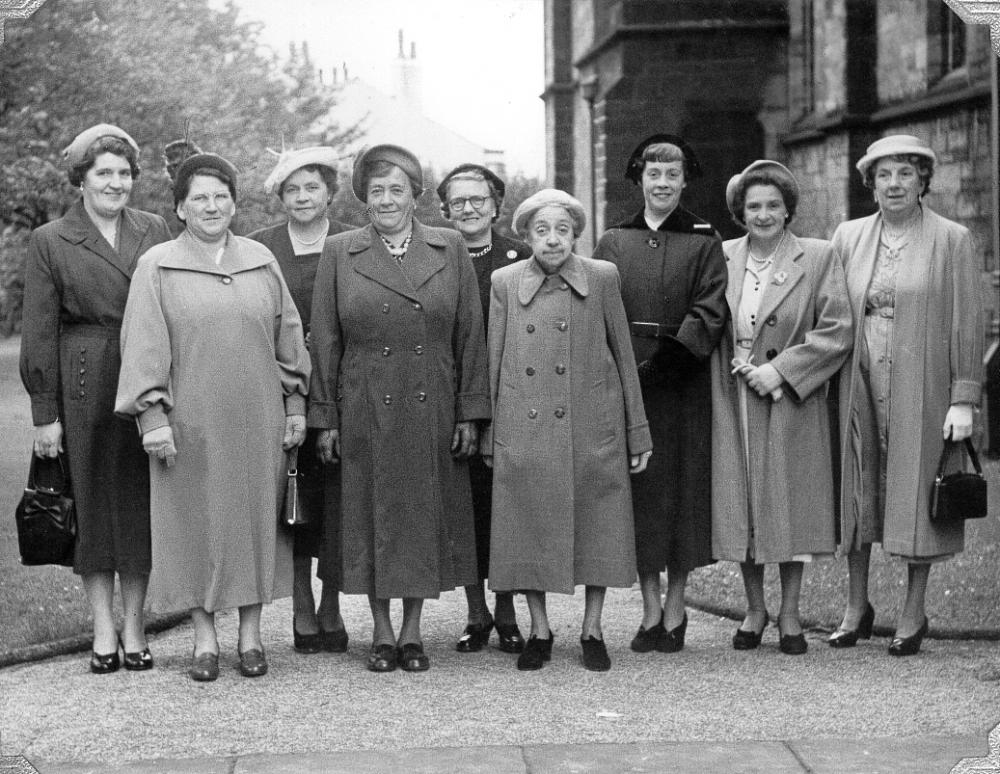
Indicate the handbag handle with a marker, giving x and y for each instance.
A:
(63, 475)
(972, 456)
(292, 462)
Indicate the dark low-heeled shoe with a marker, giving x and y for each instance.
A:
(333, 640)
(305, 643)
(204, 668)
(672, 641)
(510, 639)
(747, 640)
(139, 661)
(381, 658)
(104, 664)
(791, 644)
(645, 639)
(253, 663)
(909, 646)
(475, 637)
(848, 638)
(536, 653)
(595, 655)
(411, 657)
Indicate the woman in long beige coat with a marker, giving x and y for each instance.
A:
(772, 455)
(913, 380)
(568, 426)
(215, 371)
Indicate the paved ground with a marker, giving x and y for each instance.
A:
(706, 709)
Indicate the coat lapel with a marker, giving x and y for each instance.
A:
(786, 273)
(530, 281)
(862, 265)
(736, 262)
(375, 262)
(425, 257)
(132, 235)
(79, 229)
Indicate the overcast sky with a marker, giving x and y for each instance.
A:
(483, 61)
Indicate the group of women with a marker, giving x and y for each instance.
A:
(445, 451)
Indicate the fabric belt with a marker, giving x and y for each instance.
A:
(880, 311)
(651, 330)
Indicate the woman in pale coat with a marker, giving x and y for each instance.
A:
(215, 371)
(568, 426)
(909, 385)
(772, 454)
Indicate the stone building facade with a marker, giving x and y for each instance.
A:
(807, 82)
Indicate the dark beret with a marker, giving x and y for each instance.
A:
(498, 184)
(633, 170)
(199, 161)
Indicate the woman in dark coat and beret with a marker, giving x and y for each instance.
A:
(674, 287)
(471, 197)
(76, 284)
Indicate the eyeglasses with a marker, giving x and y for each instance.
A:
(458, 203)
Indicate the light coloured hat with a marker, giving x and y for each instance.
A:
(74, 152)
(545, 198)
(775, 168)
(291, 160)
(894, 145)
(392, 154)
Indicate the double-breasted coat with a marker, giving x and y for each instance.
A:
(215, 351)
(400, 357)
(75, 288)
(567, 413)
(785, 506)
(937, 354)
(675, 278)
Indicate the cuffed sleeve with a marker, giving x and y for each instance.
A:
(326, 343)
(472, 398)
(967, 338)
(39, 361)
(290, 351)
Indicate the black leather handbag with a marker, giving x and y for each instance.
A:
(46, 515)
(958, 496)
(292, 513)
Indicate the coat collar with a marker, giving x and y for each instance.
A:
(191, 255)
(786, 273)
(77, 228)
(424, 258)
(533, 277)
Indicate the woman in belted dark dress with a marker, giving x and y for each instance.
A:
(674, 287)
(76, 283)
(305, 181)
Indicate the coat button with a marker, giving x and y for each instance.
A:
(530, 328)
(386, 352)
(226, 280)
(564, 286)
(532, 414)
(560, 369)
(82, 393)
(419, 349)
(83, 371)
(529, 371)
(417, 306)
(563, 326)
(421, 396)
(772, 320)
(387, 400)
(772, 354)
(560, 413)
(385, 309)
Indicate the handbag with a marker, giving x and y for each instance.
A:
(961, 495)
(46, 515)
(292, 513)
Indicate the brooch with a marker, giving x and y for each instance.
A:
(511, 255)
(653, 242)
(780, 277)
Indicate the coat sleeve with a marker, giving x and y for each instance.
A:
(144, 388)
(290, 350)
(808, 365)
(325, 342)
(41, 308)
(703, 324)
(616, 326)
(472, 400)
(497, 340)
(966, 324)
(607, 248)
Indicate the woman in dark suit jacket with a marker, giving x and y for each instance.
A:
(76, 283)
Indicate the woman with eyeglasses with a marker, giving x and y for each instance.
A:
(471, 197)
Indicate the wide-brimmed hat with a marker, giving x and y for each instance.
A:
(774, 168)
(894, 145)
(393, 154)
(634, 167)
(544, 198)
(192, 164)
(291, 160)
(74, 152)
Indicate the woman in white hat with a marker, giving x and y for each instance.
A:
(908, 387)
(772, 454)
(305, 181)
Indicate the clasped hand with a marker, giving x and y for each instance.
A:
(295, 431)
(159, 443)
(48, 439)
(958, 422)
(764, 380)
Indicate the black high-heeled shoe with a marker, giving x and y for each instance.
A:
(673, 641)
(847, 638)
(909, 646)
(104, 663)
(748, 640)
(306, 643)
(136, 661)
(791, 644)
(645, 639)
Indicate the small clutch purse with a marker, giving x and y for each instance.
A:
(46, 515)
(958, 496)
(292, 513)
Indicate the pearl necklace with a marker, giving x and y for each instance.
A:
(762, 262)
(481, 251)
(303, 242)
(895, 239)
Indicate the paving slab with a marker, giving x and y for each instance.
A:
(158, 766)
(914, 755)
(453, 760)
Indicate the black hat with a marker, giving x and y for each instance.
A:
(498, 184)
(199, 161)
(633, 170)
